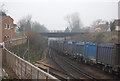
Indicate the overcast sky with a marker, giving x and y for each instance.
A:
(51, 13)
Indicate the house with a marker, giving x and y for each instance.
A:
(117, 24)
(7, 28)
(102, 28)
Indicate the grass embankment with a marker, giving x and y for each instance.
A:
(103, 37)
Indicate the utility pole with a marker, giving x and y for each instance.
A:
(118, 23)
(27, 50)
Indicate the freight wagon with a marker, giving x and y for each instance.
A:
(60, 46)
(105, 55)
(90, 52)
(79, 50)
(108, 55)
(68, 48)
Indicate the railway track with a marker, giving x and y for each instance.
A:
(93, 75)
(80, 74)
(81, 71)
(63, 70)
(89, 76)
(52, 70)
(92, 70)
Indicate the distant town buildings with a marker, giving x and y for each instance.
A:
(102, 28)
(117, 24)
(7, 28)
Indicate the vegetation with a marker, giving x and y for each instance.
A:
(2, 10)
(112, 26)
(32, 50)
(19, 35)
(38, 27)
(102, 37)
(74, 23)
(26, 24)
(2, 13)
(36, 45)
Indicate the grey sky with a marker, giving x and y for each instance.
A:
(52, 13)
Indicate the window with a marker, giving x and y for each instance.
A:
(5, 36)
(8, 36)
(8, 26)
(5, 26)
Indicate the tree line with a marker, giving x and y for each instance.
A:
(74, 24)
(26, 24)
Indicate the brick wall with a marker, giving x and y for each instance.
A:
(0, 32)
(7, 33)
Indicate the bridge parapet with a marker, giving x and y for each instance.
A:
(22, 68)
(56, 31)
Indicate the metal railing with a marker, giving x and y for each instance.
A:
(24, 69)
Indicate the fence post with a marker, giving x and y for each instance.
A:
(15, 65)
(37, 74)
(21, 69)
(46, 78)
(31, 72)
(25, 71)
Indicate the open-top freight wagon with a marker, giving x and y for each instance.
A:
(106, 56)
(109, 56)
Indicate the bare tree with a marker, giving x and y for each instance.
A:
(2, 10)
(25, 23)
(67, 30)
(2, 7)
(68, 19)
(96, 23)
(74, 22)
(36, 26)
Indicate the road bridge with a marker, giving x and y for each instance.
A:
(60, 34)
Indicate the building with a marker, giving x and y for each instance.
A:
(117, 24)
(7, 28)
(102, 28)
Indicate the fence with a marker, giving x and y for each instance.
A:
(22, 68)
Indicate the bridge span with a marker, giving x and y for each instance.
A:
(60, 34)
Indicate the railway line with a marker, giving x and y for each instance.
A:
(80, 70)
(52, 70)
(52, 56)
(71, 69)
